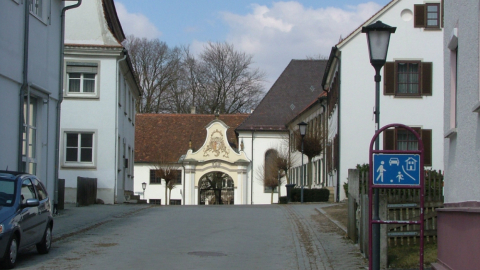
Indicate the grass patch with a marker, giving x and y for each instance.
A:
(409, 256)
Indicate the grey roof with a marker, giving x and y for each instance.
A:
(298, 86)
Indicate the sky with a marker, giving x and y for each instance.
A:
(273, 32)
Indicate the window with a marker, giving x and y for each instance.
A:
(42, 194)
(79, 148)
(175, 202)
(36, 8)
(408, 78)
(29, 145)
(82, 79)
(28, 191)
(427, 16)
(270, 175)
(402, 139)
(155, 201)
(178, 181)
(155, 177)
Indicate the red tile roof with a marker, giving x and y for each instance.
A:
(170, 134)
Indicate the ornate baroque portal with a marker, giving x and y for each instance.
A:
(216, 173)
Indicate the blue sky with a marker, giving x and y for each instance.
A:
(274, 32)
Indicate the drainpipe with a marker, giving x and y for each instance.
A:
(24, 86)
(338, 123)
(60, 97)
(251, 173)
(116, 125)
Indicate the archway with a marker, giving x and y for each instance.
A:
(215, 188)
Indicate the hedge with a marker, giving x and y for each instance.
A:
(310, 195)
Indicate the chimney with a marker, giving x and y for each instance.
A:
(192, 110)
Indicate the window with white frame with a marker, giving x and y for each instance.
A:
(79, 148)
(38, 8)
(82, 79)
(29, 145)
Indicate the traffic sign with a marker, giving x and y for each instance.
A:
(396, 169)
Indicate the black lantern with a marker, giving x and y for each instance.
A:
(378, 38)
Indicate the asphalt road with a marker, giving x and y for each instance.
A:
(205, 237)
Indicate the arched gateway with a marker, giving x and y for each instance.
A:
(216, 188)
(216, 173)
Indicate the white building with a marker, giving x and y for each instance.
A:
(224, 159)
(98, 112)
(411, 91)
(458, 224)
(30, 86)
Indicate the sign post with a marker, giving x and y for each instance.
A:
(400, 169)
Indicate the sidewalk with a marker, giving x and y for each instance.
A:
(73, 220)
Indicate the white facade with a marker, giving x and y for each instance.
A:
(356, 122)
(98, 112)
(30, 38)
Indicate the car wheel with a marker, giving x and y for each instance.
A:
(10, 256)
(44, 246)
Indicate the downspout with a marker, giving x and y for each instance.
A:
(251, 172)
(24, 84)
(60, 97)
(338, 125)
(116, 124)
(183, 193)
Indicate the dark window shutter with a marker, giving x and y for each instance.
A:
(419, 16)
(389, 139)
(336, 153)
(389, 78)
(427, 78)
(427, 146)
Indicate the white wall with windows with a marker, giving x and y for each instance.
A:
(411, 90)
(29, 114)
(98, 113)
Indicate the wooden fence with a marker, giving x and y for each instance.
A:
(395, 204)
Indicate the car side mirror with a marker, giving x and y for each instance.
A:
(31, 203)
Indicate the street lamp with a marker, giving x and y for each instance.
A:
(144, 186)
(303, 128)
(378, 38)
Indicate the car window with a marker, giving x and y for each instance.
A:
(42, 194)
(28, 191)
(7, 192)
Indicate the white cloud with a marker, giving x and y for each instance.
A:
(288, 30)
(136, 24)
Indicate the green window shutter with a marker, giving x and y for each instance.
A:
(419, 16)
(389, 139)
(442, 11)
(389, 78)
(427, 146)
(427, 78)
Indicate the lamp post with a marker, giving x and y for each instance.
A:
(144, 186)
(378, 39)
(303, 128)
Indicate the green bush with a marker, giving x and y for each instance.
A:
(283, 200)
(310, 195)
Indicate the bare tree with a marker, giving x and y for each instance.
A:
(156, 67)
(223, 79)
(312, 146)
(269, 173)
(167, 171)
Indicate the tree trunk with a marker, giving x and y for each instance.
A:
(166, 200)
(309, 173)
(271, 197)
(169, 195)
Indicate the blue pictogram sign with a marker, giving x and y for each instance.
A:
(396, 169)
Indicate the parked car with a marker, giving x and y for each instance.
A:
(25, 216)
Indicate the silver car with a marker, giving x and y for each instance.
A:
(25, 216)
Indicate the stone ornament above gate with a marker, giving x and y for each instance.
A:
(216, 145)
(216, 150)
